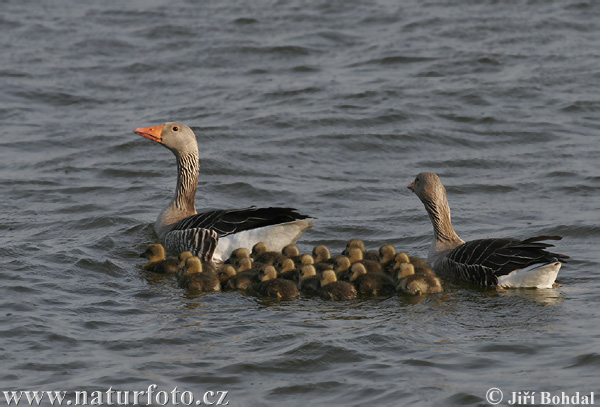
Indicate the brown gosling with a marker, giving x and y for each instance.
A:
(322, 258)
(387, 253)
(245, 275)
(262, 254)
(371, 283)
(157, 260)
(416, 284)
(206, 265)
(195, 278)
(331, 289)
(310, 282)
(273, 287)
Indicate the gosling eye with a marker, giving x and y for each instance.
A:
(175, 128)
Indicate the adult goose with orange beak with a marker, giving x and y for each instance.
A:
(488, 262)
(214, 234)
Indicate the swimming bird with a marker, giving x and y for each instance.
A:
(332, 289)
(322, 258)
(273, 287)
(196, 278)
(212, 235)
(371, 283)
(387, 253)
(505, 262)
(157, 260)
(408, 282)
(310, 282)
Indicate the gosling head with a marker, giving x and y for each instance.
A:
(286, 265)
(355, 254)
(183, 256)
(401, 258)
(154, 252)
(239, 253)
(193, 265)
(342, 263)
(405, 270)
(244, 264)
(306, 259)
(226, 272)
(328, 277)
(354, 243)
(321, 253)
(308, 271)
(386, 253)
(258, 249)
(357, 269)
(267, 273)
(290, 250)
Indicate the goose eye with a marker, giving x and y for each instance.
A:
(175, 128)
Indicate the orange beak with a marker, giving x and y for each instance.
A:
(411, 186)
(151, 133)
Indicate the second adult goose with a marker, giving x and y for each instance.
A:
(487, 262)
(212, 235)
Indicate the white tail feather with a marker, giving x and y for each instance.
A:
(275, 236)
(534, 276)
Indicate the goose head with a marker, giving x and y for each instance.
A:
(177, 137)
(428, 187)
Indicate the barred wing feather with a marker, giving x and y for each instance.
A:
(228, 221)
(483, 261)
(202, 242)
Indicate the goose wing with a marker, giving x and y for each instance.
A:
(228, 221)
(483, 261)
(202, 242)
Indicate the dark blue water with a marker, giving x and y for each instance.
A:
(330, 107)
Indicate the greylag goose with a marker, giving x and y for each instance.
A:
(332, 289)
(487, 262)
(212, 235)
